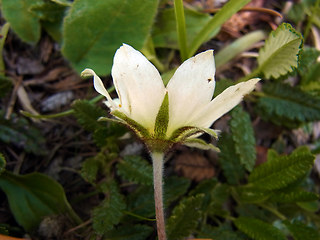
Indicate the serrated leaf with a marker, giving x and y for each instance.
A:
(243, 137)
(252, 194)
(136, 169)
(308, 58)
(109, 212)
(279, 56)
(229, 160)
(23, 22)
(21, 133)
(132, 232)
(222, 232)
(184, 218)
(280, 171)
(88, 114)
(301, 231)
(219, 196)
(174, 188)
(91, 167)
(94, 30)
(258, 230)
(34, 196)
(288, 106)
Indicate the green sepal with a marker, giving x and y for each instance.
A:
(141, 131)
(186, 132)
(106, 119)
(201, 144)
(162, 120)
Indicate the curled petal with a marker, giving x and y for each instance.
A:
(223, 103)
(99, 87)
(190, 89)
(139, 86)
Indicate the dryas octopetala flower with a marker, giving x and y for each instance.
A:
(164, 115)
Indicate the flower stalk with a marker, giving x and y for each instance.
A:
(157, 161)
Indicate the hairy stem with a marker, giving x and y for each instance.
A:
(157, 160)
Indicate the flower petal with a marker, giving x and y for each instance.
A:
(99, 87)
(139, 86)
(190, 88)
(223, 103)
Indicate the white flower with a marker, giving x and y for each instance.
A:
(184, 107)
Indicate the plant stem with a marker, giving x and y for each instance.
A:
(181, 28)
(157, 161)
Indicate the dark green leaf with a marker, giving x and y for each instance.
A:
(141, 202)
(308, 58)
(91, 167)
(2, 163)
(243, 137)
(94, 30)
(258, 230)
(280, 171)
(34, 196)
(48, 11)
(223, 232)
(22, 21)
(288, 106)
(280, 54)
(136, 169)
(109, 213)
(5, 86)
(293, 195)
(229, 160)
(184, 218)
(20, 132)
(87, 114)
(164, 33)
(174, 187)
(301, 231)
(132, 232)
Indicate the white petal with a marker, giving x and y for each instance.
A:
(223, 103)
(190, 88)
(99, 87)
(139, 86)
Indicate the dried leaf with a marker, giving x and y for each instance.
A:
(194, 166)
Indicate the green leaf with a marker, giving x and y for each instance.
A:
(243, 137)
(136, 169)
(164, 32)
(233, 170)
(293, 195)
(280, 171)
(94, 30)
(5, 86)
(2, 163)
(22, 134)
(91, 166)
(252, 194)
(174, 188)
(109, 213)
(23, 22)
(88, 114)
(132, 232)
(258, 230)
(301, 231)
(4, 32)
(219, 196)
(280, 54)
(213, 26)
(288, 106)
(222, 232)
(34, 196)
(307, 59)
(184, 218)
